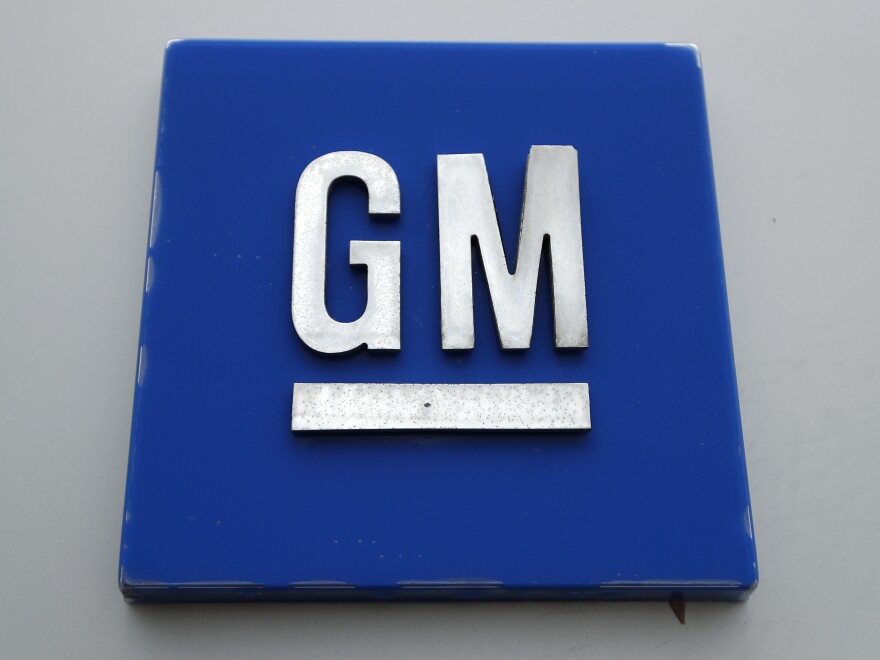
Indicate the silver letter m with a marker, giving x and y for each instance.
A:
(551, 209)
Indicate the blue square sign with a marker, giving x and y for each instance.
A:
(434, 321)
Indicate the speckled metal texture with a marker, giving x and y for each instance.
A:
(441, 406)
(550, 215)
(224, 502)
(379, 326)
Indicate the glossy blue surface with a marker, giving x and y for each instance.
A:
(224, 502)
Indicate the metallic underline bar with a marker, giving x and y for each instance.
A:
(441, 407)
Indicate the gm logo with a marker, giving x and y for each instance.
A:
(551, 219)
(363, 353)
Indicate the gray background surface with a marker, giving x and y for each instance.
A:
(793, 103)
